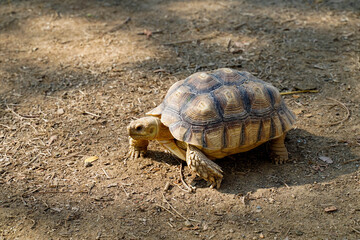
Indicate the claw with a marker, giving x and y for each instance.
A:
(204, 167)
(137, 148)
(134, 153)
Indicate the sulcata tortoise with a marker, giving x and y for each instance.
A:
(212, 115)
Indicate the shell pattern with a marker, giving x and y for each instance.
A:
(224, 110)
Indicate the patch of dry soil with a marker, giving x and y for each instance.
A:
(73, 75)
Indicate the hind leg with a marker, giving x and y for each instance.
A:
(278, 151)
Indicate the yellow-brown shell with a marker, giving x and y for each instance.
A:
(224, 110)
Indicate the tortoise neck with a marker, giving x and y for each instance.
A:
(163, 132)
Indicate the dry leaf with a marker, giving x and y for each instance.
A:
(52, 139)
(326, 159)
(91, 159)
(330, 209)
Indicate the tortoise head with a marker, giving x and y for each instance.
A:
(146, 128)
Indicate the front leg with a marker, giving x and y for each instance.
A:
(204, 167)
(137, 148)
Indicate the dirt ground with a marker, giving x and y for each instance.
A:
(73, 74)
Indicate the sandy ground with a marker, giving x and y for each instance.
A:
(73, 74)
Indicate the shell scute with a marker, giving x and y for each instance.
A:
(179, 130)
(251, 131)
(233, 137)
(179, 98)
(201, 111)
(202, 83)
(229, 76)
(197, 136)
(231, 103)
(214, 137)
(259, 100)
(265, 132)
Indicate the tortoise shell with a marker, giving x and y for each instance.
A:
(224, 111)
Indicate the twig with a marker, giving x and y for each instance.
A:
(300, 91)
(352, 160)
(126, 193)
(355, 230)
(146, 32)
(167, 186)
(116, 28)
(340, 121)
(174, 208)
(166, 209)
(189, 189)
(20, 115)
(33, 221)
(91, 187)
(189, 41)
(108, 177)
(159, 70)
(33, 160)
(287, 232)
(5, 126)
(92, 114)
(184, 190)
(70, 156)
(23, 200)
(51, 192)
(229, 45)
(237, 27)
(287, 186)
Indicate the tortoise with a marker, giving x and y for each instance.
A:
(211, 115)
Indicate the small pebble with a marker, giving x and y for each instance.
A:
(205, 226)
(60, 111)
(258, 209)
(188, 223)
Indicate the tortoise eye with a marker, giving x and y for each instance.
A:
(152, 130)
(139, 128)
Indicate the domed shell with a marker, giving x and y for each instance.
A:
(224, 110)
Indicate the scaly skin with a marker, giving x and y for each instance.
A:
(204, 167)
(137, 148)
(278, 152)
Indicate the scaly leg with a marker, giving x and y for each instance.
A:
(137, 148)
(204, 167)
(278, 151)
